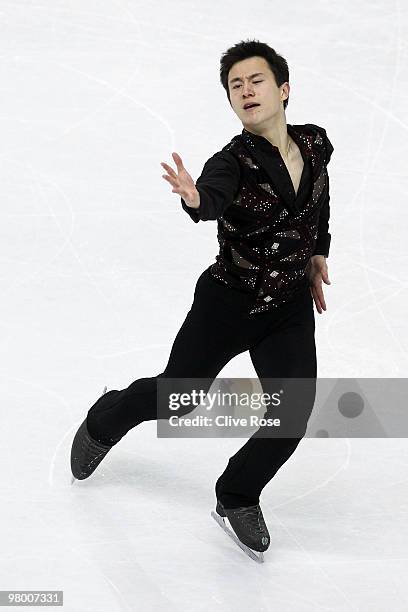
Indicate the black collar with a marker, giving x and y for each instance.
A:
(264, 144)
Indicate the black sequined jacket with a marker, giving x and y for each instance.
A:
(266, 232)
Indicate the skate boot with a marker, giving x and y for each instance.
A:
(250, 531)
(87, 453)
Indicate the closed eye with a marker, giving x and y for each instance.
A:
(235, 86)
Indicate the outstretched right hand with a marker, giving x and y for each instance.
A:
(182, 182)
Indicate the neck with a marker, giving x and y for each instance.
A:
(276, 134)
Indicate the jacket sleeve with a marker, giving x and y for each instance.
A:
(217, 186)
(322, 246)
(323, 240)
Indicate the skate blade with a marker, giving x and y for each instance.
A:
(258, 557)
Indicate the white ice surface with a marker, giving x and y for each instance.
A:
(99, 264)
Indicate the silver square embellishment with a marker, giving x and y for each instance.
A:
(275, 245)
(267, 298)
(273, 273)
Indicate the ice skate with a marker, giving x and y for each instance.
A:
(249, 528)
(87, 453)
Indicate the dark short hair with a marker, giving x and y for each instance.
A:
(249, 48)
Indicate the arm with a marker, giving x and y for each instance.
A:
(323, 240)
(217, 186)
(317, 268)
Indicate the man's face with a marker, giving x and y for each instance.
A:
(256, 84)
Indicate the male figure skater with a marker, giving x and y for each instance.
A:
(268, 189)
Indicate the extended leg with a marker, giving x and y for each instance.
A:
(209, 337)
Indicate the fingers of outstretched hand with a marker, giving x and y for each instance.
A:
(171, 177)
(182, 182)
(169, 170)
(173, 182)
(178, 161)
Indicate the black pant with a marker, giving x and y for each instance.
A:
(217, 328)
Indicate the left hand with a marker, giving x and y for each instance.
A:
(317, 271)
